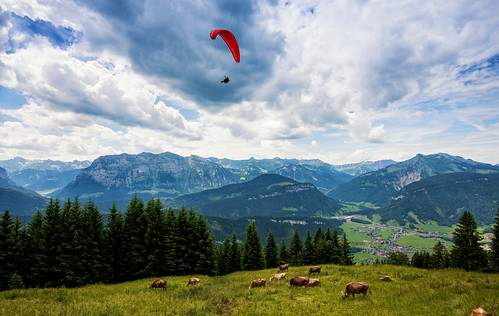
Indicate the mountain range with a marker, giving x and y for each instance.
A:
(278, 187)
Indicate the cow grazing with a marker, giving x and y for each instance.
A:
(159, 284)
(355, 288)
(279, 276)
(193, 281)
(258, 283)
(479, 312)
(299, 281)
(386, 278)
(314, 270)
(283, 267)
(314, 282)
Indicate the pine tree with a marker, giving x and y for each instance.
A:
(319, 236)
(296, 249)
(93, 229)
(309, 250)
(271, 255)
(170, 243)
(234, 255)
(134, 228)
(52, 236)
(397, 258)
(283, 253)
(346, 252)
(253, 257)
(35, 252)
(153, 239)
(7, 251)
(494, 246)
(184, 236)
(438, 258)
(207, 260)
(467, 253)
(336, 249)
(114, 251)
(223, 257)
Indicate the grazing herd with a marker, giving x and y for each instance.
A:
(351, 288)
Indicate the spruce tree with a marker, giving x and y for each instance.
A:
(283, 253)
(234, 255)
(271, 254)
(153, 239)
(346, 252)
(134, 228)
(184, 236)
(319, 236)
(170, 243)
(438, 258)
(336, 249)
(309, 250)
(207, 257)
(467, 253)
(253, 257)
(296, 249)
(35, 252)
(223, 257)
(7, 250)
(114, 252)
(52, 236)
(494, 246)
(93, 229)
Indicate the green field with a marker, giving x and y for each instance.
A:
(412, 292)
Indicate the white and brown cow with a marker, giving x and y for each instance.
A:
(479, 312)
(355, 288)
(258, 283)
(279, 276)
(314, 282)
(386, 278)
(193, 281)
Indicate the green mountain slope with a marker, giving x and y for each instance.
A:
(443, 198)
(380, 186)
(266, 195)
(18, 200)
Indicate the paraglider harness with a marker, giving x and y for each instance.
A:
(225, 80)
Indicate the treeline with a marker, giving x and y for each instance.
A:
(466, 252)
(71, 245)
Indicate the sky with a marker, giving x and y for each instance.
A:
(341, 81)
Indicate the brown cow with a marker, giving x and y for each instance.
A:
(193, 281)
(159, 284)
(299, 281)
(479, 312)
(258, 283)
(386, 278)
(283, 267)
(314, 282)
(316, 269)
(278, 276)
(356, 288)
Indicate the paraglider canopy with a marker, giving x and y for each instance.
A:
(229, 39)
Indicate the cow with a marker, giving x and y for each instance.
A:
(314, 282)
(386, 278)
(316, 269)
(258, 283)
(299, 281)
(159, 284)
(479, 312)
(278, 276)
(193, 281)
(283, 267)
(355, 288)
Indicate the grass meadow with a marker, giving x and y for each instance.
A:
(412, 292)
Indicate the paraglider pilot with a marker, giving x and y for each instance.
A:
(225, 80)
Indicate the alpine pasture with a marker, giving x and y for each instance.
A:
(412, 292)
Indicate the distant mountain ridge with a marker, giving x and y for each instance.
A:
(360, 168)
(443, 198)
(266, 195)
(18, 200)
(380, 186)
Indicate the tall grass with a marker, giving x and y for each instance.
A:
(412, 292)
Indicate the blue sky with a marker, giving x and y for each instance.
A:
(341, 81)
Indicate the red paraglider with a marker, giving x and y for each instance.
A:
(230, 40)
